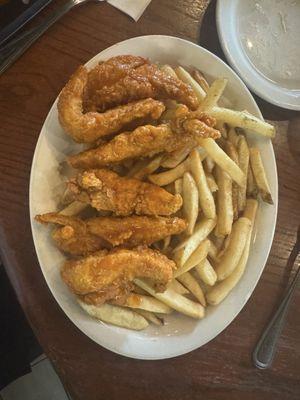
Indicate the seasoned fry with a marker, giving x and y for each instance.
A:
(191, 283)
(178, 287)
(199, 78)
(196, 257)
(232, 255)
(73, 208)
(233, 154)
(213, 94)
(116, 315)
(148, 315)
(243, 119)
(260, 175)
(222, 159)
(212, 184)
(187, 78)
(206, 199)
(222, 289)
(146, 303)
(190, 201)
(164, 178)
(174, 300)
(224, 203)
(243, 153)
(206, 272)
(149, 168)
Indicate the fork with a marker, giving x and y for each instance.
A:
(11, 51)
(266, 347)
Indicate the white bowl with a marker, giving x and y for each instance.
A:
(261, 42)
(180, 334)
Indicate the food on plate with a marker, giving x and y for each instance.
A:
(88, 127)
(115, 81)
(79, 237)
(148, 140)
(106, 190)
(109, 275)
(159, 215)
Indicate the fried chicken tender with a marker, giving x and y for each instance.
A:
(148, 140)
(105, 190)
(88, 127)
(123, 79)
(110, 275)
(81, 237)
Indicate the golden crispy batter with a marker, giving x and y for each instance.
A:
(88, 127)
(110, 274)
(148, 140)
(115, 82)
(80, 237)
(105, 190)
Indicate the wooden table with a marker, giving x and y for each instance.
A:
(220, 370)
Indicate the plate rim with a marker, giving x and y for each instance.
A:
(226, 45)
(187, 349)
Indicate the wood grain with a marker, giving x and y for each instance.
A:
(220, 370)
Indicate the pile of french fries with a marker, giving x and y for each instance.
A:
(220, 182)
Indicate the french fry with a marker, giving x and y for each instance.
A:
(213, 94)
(148, 168)
(222, 159)
(224, 203)
(222, 289)
(243, 152)
(233, 253)
(212, 184)
(243, 119)
(116, 315)
(191, 283)
(178, 186)
(233, 154)
(171, 160)
(201, 231)
(73, 208)
(213, 252)
(167, 69)
(146, 303)
(137, 166)
(174, 300)
(196, 257)
(187, 78)
(251, 190)
(233, 137)
(148, 315)
(178, 287)
(220, 126)
(190, 201)
(200, 79)
(208, 164)
(206, 199)
(260, 175)
(206, 272)
(166, 243)
(164, 178)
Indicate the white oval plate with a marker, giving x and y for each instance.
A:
(261, 42)
(180, 334)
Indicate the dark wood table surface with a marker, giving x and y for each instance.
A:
(221, 369)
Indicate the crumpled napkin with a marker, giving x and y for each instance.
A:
(133, 8)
